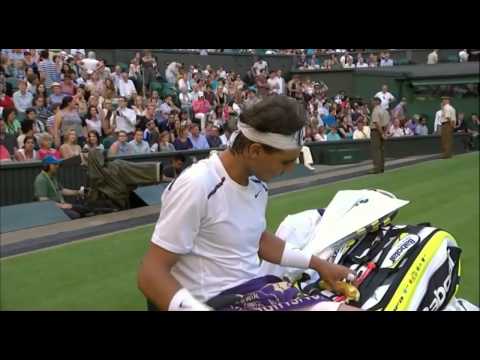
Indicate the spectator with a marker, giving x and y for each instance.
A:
(12, 124)
(175, 169)
(6, 101)
(213, 137)
(259, 66)
(183, 83)
(168, 106)
(90, 64)
(57, 96)
(126, 118)
(345, 59)
(41, 91)
(38, 127)
(27, 152)
(70, 148)
(67, 87)
(251, 99)
(126, 88)
(93, 141)
(372, 60)
(182, 142)
(330, 120)
(281, 82)
(22, 99)
(461, 126)
(27, 130)
(48, 69)
(163, 144)
(362, 131)
(437, 123)
(42, 111)
(320, 135)
(68, 119)
(93, 121)
(135, 74)
(397, 130)
(432, 58)
(121, 146)
(386, 97)
(274, 85)
(201, 107)
(109, 120)
(400, 110)
(422, 128)
(361, 63)
(110, 92)
(30, 62)
(139, 106)
(386, 61)
(463, 55)
(47, 187)
(198, 140)
(210, 96)
(333, 133)
(138, 145)
(411, 124)
(149, 69)
(117, 76)
(151, 134)
(475, 125)
(46, 148)
(171, 72)
(345, 130)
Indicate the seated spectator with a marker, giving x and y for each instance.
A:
(474, 125)
(182, 142)
(362, 131)
(432, 58)
(138, 105)
(93, 121)
(198, 140)
(120, 146)
(70, 148)
(151, 134)
(183, 83)
(186, 100)
(397, 130)
(22, 99)
(463, 55)
(461, 126)
(46, 148)
(39, 128)
(138, 145)
(66, 119)
(411, 124)
(41, 110)
(171, 72)
(172, 171)
(345, 130)
(67, 86)
(6, 101)
(330, 120)
(4, 154)
(361, 63)
(47, 187)
(27, 130)
(385, 60)
(12, 124)
(109, 91)
(57, 96)
(320, 135)
(27, 152)
(333, 133)
(401, 109)
(213, 137)
(163, 144)
(93, 141)
(422, 128)
(201, 107)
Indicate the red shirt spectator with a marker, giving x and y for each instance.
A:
(4, 154)
(6, 101)
(201, 105)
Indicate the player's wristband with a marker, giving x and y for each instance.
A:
(184, 301)
(294, 257)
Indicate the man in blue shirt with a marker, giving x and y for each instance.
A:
(330, 119)
(198, 140)
(333, 134)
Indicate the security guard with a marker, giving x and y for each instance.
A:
(378, 124)
(448, 119)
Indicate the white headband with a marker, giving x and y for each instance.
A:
(277, 141)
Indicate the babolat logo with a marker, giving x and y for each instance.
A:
(439, 294)
(403, 246)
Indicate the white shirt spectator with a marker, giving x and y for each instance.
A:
(259, 65)
(421, 130)
(274, 86)
(183, 85)
(185, 99)
(463, 56)
(344, 59)
(90, 64)
(386, 62)
(126, 120)
(126, 88)
(364, 134)
(282, 87)
(73, 52)
(171, 72)
(165, 108)
(398, 132)
(238, 211)
(386, 98)
(140, 148)
(432, 58)
(362, 64)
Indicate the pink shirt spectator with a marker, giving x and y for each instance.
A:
(42, 153)
(201, 106)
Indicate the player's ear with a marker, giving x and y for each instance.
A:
(255, 150)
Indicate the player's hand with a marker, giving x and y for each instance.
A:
(331, 273)
(64, 206)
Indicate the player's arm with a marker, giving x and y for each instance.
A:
(154, 278)
(275, 250)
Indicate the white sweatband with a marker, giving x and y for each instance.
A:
(277, 141)
(184, 301)
(294, 257)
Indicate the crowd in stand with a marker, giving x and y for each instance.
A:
(60, 104)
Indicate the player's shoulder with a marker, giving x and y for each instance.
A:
(200, 175)
(259, 183)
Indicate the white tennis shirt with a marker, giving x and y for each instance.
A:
(215, 224)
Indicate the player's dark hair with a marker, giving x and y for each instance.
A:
(275, 114)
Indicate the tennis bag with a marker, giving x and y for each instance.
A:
(399, 267)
